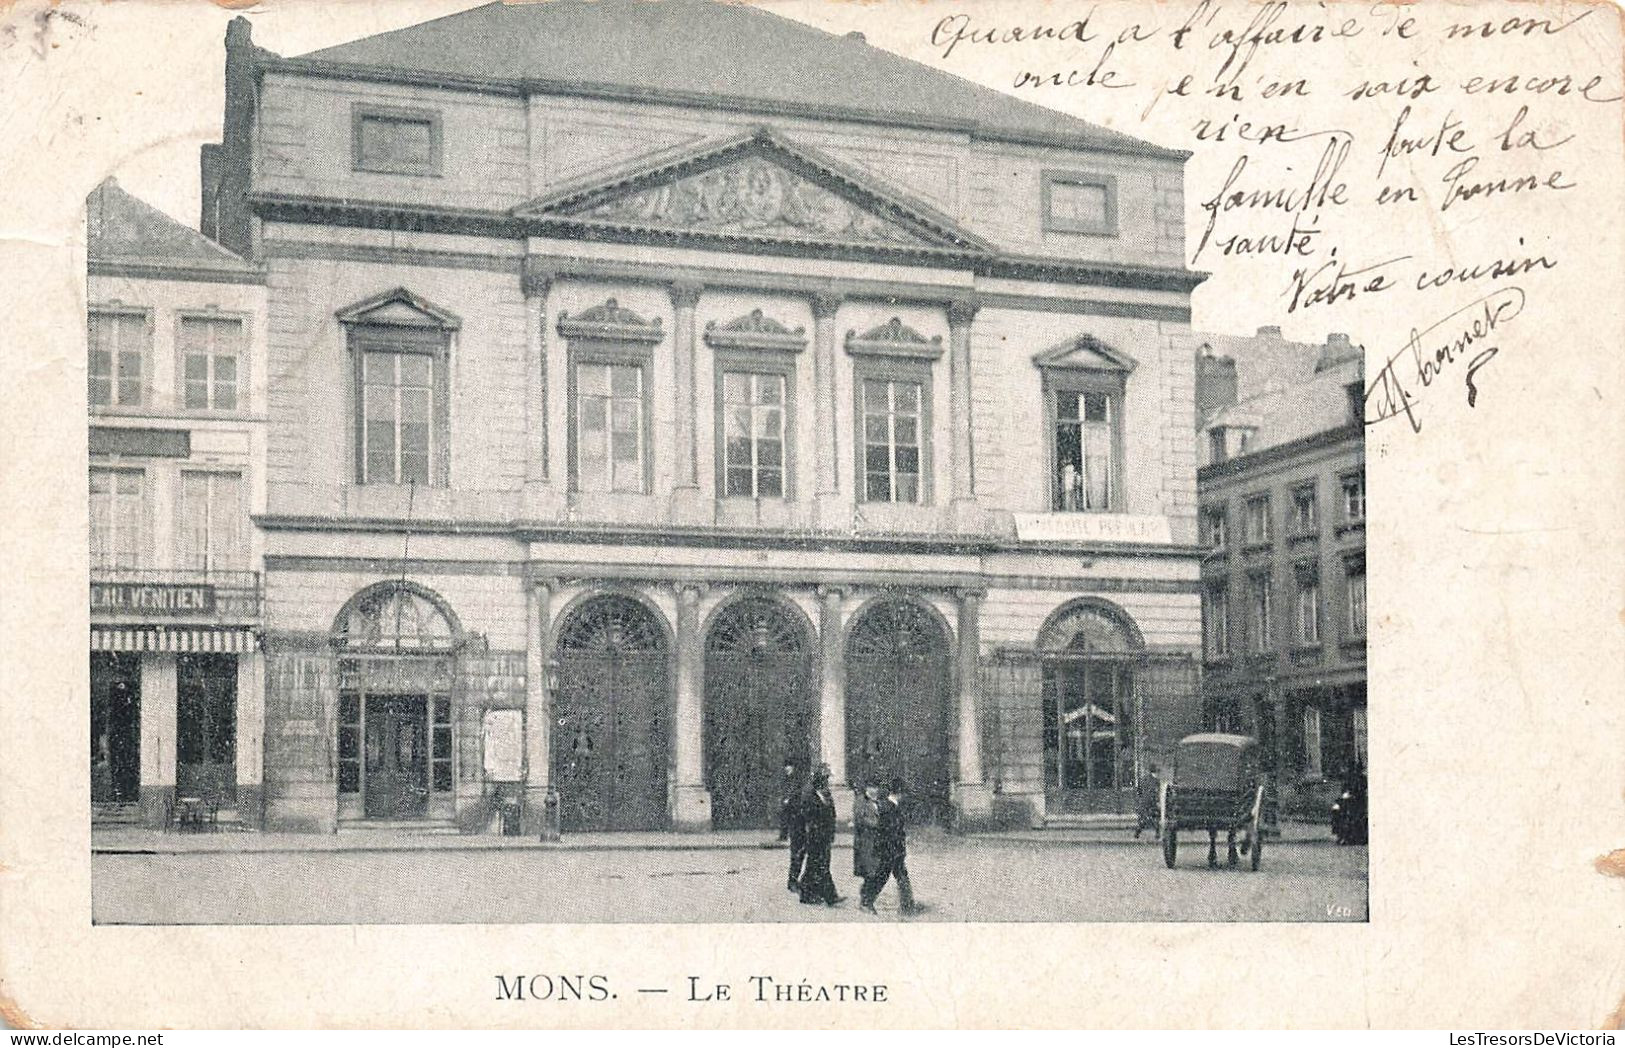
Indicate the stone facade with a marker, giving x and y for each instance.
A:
(737, 437)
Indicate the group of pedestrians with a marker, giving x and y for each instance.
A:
(879, 840)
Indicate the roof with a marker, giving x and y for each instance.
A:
(125, 231)
(717, 50)
(1286, 391)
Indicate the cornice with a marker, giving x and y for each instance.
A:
(1352, 433)
(169, 271)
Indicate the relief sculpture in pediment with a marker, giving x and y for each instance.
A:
(753, 196)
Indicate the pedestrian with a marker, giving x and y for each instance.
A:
(893, 854)
(865, 831)
(818, 816)
(789, 795)
(793, 825)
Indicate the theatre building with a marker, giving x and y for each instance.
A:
(665, 392)
(176, 330)
(1283, 515)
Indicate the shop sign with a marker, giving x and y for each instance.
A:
(1091, 527)
(151, 598)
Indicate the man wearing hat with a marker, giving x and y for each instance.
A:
(818, 815)
(892, 841)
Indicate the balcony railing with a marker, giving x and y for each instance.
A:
(181, 595)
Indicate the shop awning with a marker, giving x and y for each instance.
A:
(164, 638)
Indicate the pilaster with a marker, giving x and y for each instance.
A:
(538, 707)
(158, 726)
(687, 505)
(973, 804)
(691, 801)
(832, 511)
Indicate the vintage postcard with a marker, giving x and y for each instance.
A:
(697, 513)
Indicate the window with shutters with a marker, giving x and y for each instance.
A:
(211, 363)
(211, 522)
(118, 518)
(120, 345)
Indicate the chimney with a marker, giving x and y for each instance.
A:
(1270, 331)
(1215, 384)
(1339, 349)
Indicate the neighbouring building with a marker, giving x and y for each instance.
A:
(1282, 490)
(176, 393)
(663, 392)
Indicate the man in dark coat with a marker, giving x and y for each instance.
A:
(792, 826)
(818, 816)
(865, 832)
(892, 839)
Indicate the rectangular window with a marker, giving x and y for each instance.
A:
(754, 411)
(1080, 203)
(1305, 511)
(211, 523)
(1258, 520)
(396, 141)
(119, 345)
(1085, 450)
(211, 363)
(1313, 757)
(1216, 450)
(1308, 610)
(117, 518)
(1218, 622)
(398, 417)
(1357, 724)
(609, 418)
(1354, 497)
(893, 417)
(1258, 625)
(1214, 528)
(1356, 601)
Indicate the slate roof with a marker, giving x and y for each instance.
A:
(124, 230)
(1287, 390)
(717, 50)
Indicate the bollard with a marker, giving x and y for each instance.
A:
(550, 815)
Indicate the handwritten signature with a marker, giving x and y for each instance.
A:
(1431, 352)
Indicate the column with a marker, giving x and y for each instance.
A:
(962, 457)
(542, 499)
(973, 805)
(691, 801)
(687, 506)
(826, 449)
(158, 725)
(251, 739)
(832, 696)
(538, 707)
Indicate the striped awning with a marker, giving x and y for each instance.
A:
(163, 638)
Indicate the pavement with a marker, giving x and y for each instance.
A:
(731, 878)
(120, 840)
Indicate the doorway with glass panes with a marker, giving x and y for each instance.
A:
(1091, 715)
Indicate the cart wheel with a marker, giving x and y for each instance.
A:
(1257, 831)
(1170, 846)
(1231, 859)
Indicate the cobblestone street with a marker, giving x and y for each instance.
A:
(956, 879)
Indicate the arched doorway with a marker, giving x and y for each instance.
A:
(758, 709)
(1092, 720)
(397, 645)
(898, 676)
(610, 717)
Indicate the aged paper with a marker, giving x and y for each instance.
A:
(1439, 182)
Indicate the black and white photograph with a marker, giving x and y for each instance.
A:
(580, 486)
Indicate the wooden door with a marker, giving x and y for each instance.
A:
(397, 763)
(758, 711)
(609, 733)
(897, 697)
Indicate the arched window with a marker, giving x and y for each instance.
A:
(397, 617)
(1089, 629)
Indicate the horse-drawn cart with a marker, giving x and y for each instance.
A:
(1216, 785)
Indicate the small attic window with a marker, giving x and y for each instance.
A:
(1080, 203)
(397, 141)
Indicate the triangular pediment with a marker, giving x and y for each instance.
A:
(399, 308)
(755, 188)
(1085, 353)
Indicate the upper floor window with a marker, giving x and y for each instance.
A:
(120, 343)
(755, 421)
(1258, 520)
(1216, 450)
(1215, 528)
(610, 425)
(400, 344)
(1085, 382)
(1354, 497)
(1216, 619)
(211, 351)
(1080, 203)
(118, 513)
(1355, 588)
(610, 353)
(893, 420)
(1305, 510)
(394, 140)
(1258, 613)
(1308, 610)
(211, 524)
